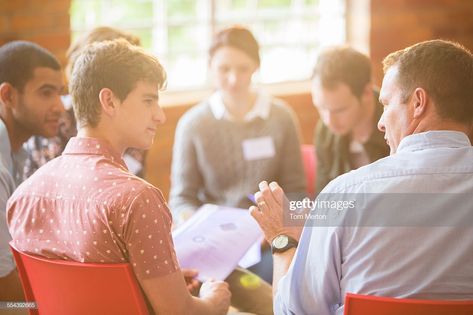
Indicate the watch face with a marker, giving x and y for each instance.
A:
(280, 241)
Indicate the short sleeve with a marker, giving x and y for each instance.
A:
(148, 235)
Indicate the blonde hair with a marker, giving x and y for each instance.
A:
(116, 65)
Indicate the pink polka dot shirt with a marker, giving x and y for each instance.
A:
(86, 206)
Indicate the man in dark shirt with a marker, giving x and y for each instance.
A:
(346, 135)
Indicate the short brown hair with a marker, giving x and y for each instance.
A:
(343, 64)
(116, 65)
(444, 69)
(237, 37)
(98, 34)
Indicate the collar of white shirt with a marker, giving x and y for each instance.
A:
(433, 139)
(5, 148)
(261, 108)
(12, 161)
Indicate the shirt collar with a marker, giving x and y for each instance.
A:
(93, 146)
(433, 139)
(260, 109)
(12, 161)
(5, 148)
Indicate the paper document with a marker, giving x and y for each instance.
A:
(214, 240)
(252, 256)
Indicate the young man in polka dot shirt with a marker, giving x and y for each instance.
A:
(86, 206)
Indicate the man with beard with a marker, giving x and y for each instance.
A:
(31, 83)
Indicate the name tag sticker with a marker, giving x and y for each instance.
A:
(258, 148)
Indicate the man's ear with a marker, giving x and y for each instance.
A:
(108, 101)
(420, 100)
(8, 95)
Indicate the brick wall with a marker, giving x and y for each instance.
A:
(45, 22)
(396, 24)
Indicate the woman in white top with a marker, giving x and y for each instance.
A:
(236, 138)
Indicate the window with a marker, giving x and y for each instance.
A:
(290, 32)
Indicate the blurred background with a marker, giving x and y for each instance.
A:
(290, 33)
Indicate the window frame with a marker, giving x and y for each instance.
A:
(160, 24)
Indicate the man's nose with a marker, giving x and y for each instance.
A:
(160, 116)
(381, 125)
(232, 78)
(329, 118)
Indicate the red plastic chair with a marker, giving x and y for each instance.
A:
(310, 167)
(61, 287)
(356, 304)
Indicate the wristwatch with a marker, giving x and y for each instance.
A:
(282, 243)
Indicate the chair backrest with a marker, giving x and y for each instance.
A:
(310, 167)
(73, 288)
(356, 304)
